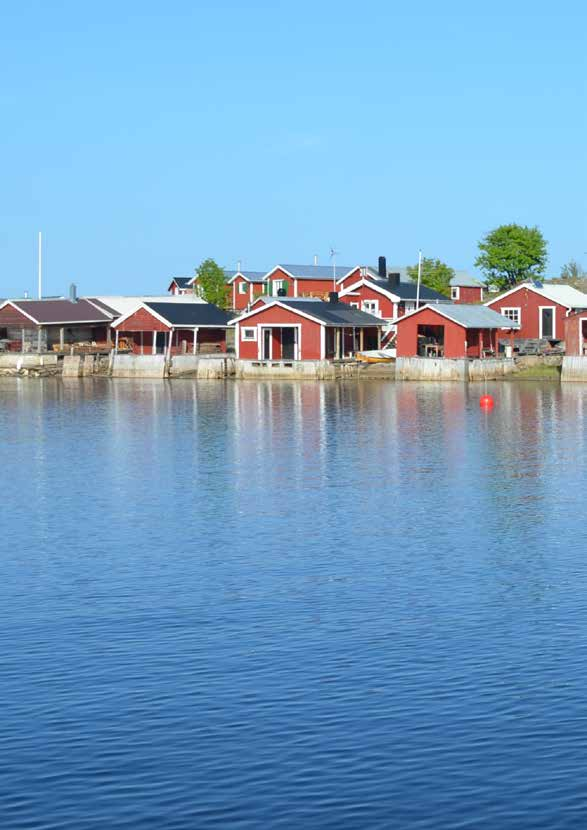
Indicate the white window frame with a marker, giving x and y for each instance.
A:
(277, 285)
(410, 305)
(252, 338)
(242, 287)
(515, 308)
(540, 310)
(298, 341)
(374, 311)
(455, 292)
(354, 305)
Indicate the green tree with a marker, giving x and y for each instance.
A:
(435, 275)
(511, 254)
(572, 271)
(211, 283)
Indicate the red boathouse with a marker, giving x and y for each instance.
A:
(539, 309)
(451, 331)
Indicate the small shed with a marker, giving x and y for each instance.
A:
(451, 331)
(172, 328)
(288, 328)
(464, 288)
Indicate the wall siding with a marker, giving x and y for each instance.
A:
(529, 303)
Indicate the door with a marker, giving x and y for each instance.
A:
(547, 323)
(266, 344)
(288, 344)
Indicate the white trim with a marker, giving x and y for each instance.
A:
(512, 308)
(267, 276)
(395, 298)
(322, 342)
(254, 329)
(581, 321)
(530, 287)
(280, 305)
(455, 292)
(261, 327)
(138, 307)
(540, 310)
(376, 312)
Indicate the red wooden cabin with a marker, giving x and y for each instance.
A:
(539, 309)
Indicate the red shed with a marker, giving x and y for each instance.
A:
(304, 329)
(575, 334)
(246, 286)
(539, 309)
(451, 331)
(466, 289)
(173, 328)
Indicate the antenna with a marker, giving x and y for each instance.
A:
(333, 254)
(40, 264)
(238, 265)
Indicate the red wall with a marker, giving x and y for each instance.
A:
(455, 336)
(528, 302)
(11, 316)
(572, 333)
(353, 277)
(142, 320)
(273, 315)
(469, 294)
(365, 292)
(240, 301)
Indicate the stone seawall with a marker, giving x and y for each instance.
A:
(430, 368)
(574, 369)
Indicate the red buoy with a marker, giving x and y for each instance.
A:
(486, 402)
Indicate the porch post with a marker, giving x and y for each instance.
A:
(154, 346)
(142, 344)
(378, 337)
(480, 342)
(108, 336)
(116, 342)
(337, 343)
(39, 337)
(196, 340)
(61, 339)
(361, 339)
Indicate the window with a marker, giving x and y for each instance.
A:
(242, 287)
(455, 292)
(354, 305)
(371, 307)
(249, 334)
(512, 314)
(410, 307)
(277, 286)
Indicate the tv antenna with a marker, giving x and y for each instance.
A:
(333, 254)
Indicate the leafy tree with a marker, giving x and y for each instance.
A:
(211, 283)
(511, 254)
(435, 274)
(572, 271)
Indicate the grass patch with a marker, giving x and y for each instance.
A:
(540, 372)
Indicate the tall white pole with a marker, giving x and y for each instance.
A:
(40, 267)
(419, 279)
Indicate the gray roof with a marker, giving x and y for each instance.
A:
(331, 314)
(409, 291)
(466, 280)
(317, 272)
(190, 314)
(473, 316)
(252, 276)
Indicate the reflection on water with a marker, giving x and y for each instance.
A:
(292, 604)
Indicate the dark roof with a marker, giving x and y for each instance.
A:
(47, 312)
(317, 272)
(182, 282)
(332, 314)
(409, 290)
(190, 314)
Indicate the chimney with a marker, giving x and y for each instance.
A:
(315, 259)
(73, 293)
(333, 297)
(238, 265)
(382, 268)
(393, 280)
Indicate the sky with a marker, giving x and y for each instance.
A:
(141, 138)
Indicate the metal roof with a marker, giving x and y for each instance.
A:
(469, 316)
(409, 291)
(122, 305)
(190, 314)
(564, 294)
(465, 280)
(252, 276)
(317, 272)
(331, 314)
(182, 282)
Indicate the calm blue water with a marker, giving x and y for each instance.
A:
(252, 605)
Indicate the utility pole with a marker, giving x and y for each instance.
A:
(333, 254)
(40, 264)
(419, 280)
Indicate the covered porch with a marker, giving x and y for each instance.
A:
(171, 341)
(342, 343)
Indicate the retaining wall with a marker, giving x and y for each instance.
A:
(194, 366)
(17, 360)
(138, 366)
(574, 369)
(430, 368)
(489, 369)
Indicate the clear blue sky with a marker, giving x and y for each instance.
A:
(143, 137)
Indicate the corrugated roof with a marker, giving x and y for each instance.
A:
(465, 280)
(563, 294)
(252, 276)
(470, 316)
(194, 314)
(332, 314)
(317, 272)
